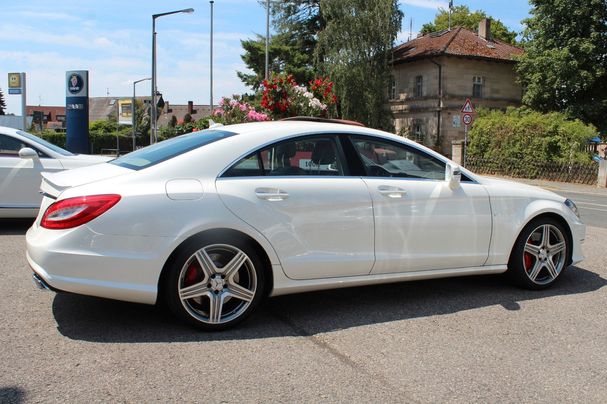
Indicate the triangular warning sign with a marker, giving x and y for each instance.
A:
(468, 108)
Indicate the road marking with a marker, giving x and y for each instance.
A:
(593, 204)
(557, 190)
(600, 210)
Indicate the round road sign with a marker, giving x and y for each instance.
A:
(467, 119)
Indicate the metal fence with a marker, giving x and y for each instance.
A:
(581, 173)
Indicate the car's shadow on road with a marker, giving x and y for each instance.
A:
(15, 226)
(99, 320)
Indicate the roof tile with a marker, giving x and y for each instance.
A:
(458, 42)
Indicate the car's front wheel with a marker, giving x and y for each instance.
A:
(540, 254)
(215, 284)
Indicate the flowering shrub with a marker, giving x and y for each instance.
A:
(283, 97)
(235, 110)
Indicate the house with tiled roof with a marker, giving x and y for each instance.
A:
(433, 75)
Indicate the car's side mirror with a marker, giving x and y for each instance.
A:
(453, 175)
(28, 153)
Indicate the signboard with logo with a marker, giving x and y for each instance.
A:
(77, 111)
(15, 83)
(17, 86)
(125, 112)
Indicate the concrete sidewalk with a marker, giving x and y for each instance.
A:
(558, 186)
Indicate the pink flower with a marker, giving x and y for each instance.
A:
(218, 112)
(255, 116)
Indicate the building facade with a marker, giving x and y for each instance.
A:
(433, 75)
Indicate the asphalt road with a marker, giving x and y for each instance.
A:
(592, 207)
(460, 340)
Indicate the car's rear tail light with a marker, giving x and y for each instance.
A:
(72, 212)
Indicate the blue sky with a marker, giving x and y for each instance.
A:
(112, 39)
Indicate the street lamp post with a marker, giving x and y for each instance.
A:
(267, 72)
(153, 112)
(211, 72)
(134, 110)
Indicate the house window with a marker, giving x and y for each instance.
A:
(392, 89)
(417, 130)
(419, 86)
(477, 87)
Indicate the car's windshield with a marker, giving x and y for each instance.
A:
(165, 150)
(44, 143)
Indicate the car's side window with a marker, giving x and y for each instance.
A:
(247, 167)
(387, 159)
(309, 156)
(10, 146)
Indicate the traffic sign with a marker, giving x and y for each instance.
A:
(467, 119)
(468, 108)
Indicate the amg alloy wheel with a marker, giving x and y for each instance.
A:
(213, 286)
(540, 254)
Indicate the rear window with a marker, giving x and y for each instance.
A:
(44, 143)
(165, 150)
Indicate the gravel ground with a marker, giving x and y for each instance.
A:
(463, 340)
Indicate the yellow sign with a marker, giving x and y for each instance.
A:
(125, 112)
(14, 80)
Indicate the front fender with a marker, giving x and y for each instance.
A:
(511, 215)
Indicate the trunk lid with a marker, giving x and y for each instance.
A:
(53, 184)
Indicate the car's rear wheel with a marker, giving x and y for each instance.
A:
(540, 254)
(215, 284)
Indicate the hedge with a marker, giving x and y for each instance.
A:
(528, 136)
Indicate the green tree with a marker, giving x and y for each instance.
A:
(461, 16)
(354, 50)
(301, 18)
(291, 48)
(2, 103)
(564, 67)
(286, 55)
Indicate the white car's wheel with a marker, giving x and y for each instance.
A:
(214, 284)
(540, 254)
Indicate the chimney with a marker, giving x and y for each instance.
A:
(484, 29)
(190, 107)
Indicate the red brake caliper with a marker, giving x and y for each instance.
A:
(190, 275)
(528, 259)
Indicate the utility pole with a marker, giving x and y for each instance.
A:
(267, 39)
(211, 69)
(450, 9)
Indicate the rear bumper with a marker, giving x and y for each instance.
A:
(83, 262)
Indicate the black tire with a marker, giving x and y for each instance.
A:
(535, 265)
(196, 295)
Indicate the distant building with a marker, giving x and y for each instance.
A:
(102, 108)
(433, 75)
(47, 117)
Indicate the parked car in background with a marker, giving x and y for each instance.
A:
(23, 157)
(214, 221)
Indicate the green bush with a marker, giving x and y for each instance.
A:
(528, 136)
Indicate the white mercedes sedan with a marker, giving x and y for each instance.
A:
(23, 157)
(213, 222)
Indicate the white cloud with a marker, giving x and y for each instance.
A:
(432, 4)
(57, 16)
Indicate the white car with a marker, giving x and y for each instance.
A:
(214, 221)
(23, 157)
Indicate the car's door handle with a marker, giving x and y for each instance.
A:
(391, 192)
(271, 194)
